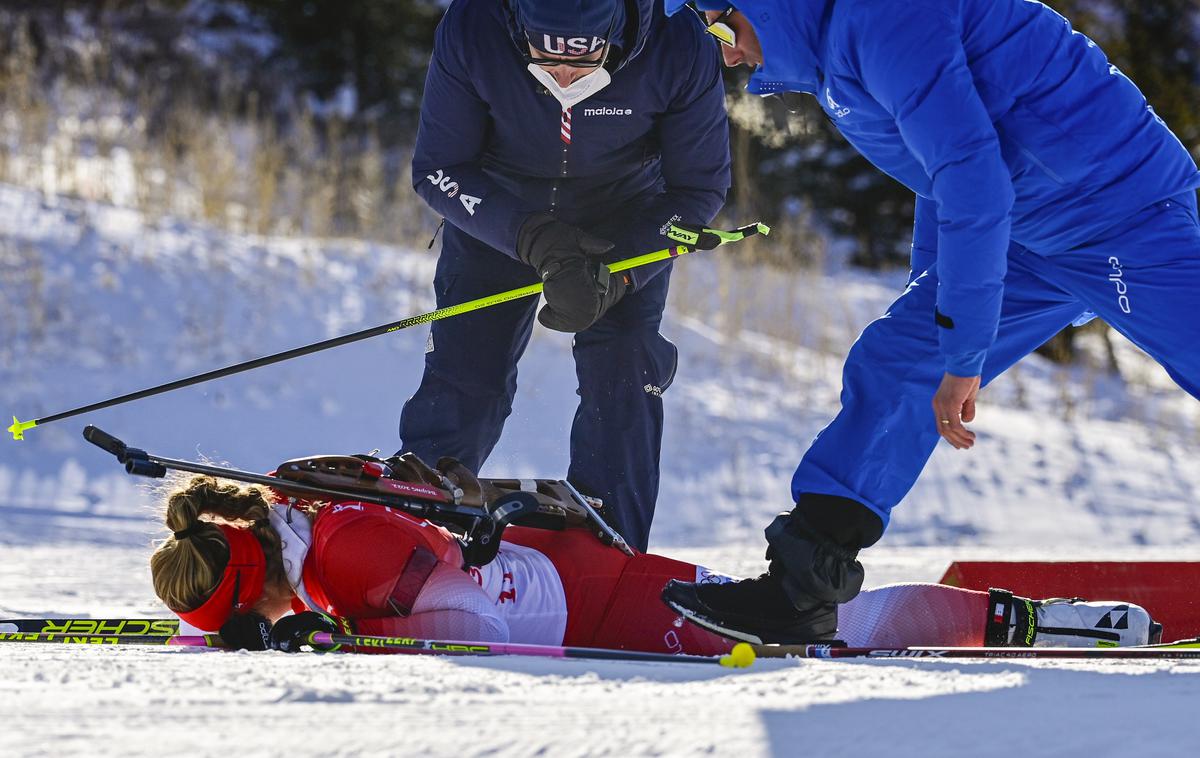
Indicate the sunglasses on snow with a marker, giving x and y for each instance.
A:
(717, 27)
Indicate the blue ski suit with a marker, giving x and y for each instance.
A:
(1047, 189)
(493, 147)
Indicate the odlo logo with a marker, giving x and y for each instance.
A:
(672, 643)
(450, 187)
(1117, 277)
(834, 106)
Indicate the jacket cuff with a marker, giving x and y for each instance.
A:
(966, 364)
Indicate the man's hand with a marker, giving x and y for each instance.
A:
(576, 283)
(953, 405)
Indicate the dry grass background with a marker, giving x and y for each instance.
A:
(198, 146)
(209, 149)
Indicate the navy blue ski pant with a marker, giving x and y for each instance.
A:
(622, 363)
(1143, 278)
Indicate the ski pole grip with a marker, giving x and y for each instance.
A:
(105, 441)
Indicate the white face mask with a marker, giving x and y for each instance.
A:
(575, 92)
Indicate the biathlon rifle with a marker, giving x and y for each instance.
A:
(481, 523)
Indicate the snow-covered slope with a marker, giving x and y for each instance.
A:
(96, 301)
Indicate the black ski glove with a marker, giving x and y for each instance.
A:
(247, 631)
(291, 632)
(578, 286)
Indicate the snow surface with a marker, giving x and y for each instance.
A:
(97, 301)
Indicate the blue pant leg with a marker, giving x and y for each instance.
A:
(470, 377)
(1144, 280)
(624, 365)
(875, 448)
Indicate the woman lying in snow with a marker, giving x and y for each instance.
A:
(238, 563)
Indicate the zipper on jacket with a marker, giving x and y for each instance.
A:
(565, 135)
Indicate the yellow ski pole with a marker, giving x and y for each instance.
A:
(691, 239)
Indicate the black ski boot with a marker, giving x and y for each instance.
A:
(752, 610)
(813, 553)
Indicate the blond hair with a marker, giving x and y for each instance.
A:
(186, 571)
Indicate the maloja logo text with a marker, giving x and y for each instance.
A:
(450, 187)
(607, 111)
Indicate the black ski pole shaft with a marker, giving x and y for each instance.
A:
(737, 659)
(18, 428)
(693, 239)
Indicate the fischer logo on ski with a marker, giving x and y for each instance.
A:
(116, 626)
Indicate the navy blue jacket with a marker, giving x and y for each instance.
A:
(652, 146)
(1007, 125)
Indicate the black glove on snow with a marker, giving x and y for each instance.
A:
(578, 286)
(291, 632)
(247, 631)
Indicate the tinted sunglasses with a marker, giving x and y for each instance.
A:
(717, 27)
(551, 62)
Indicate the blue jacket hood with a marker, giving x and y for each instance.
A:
(791, 33)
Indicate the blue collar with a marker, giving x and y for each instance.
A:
(792, 35)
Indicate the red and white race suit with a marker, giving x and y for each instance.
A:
(397, 575)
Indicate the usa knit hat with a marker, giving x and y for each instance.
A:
(570, 28)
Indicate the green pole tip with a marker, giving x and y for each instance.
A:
(17, 430)
(762, 228)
